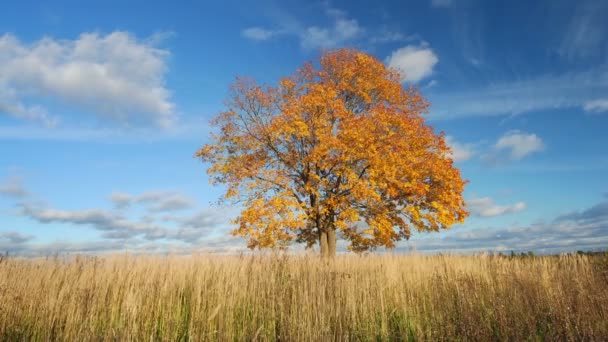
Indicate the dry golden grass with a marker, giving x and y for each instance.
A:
(232, 298)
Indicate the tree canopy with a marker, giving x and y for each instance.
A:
(340, 149)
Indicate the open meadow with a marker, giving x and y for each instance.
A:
(297, 298)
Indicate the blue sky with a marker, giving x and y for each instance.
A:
(103, 106)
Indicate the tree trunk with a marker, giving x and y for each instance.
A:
(331, 242)
(323, 244)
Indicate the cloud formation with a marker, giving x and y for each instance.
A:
(342, 31)
(413, 62)
(519, 144)
(485, 207)
(13, 187)
(567, 90)
(585, 35)
(216, 245)
(586, 229)
(13, 237)
(115, 225)
(112, 225)
(599, 105)
(385, 35)
(115, 76)
(460, 152)
(258, 33)
(583, 230)
(157, 201)
(14, 242)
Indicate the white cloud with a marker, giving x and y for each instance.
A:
(185, 130)
(339, 31)
(115, 76)
(258, 33)
(388, 36)
(120, 199)
(160, 201)
(413, 62)
(157, 201)
(599, 105)
(217, 245)
(485, 207)
(343, 30)
(431, 84)
(585, 35)
(441, 3)
(13, 187)
(460, 152)
(568, 90)
(9, 105)
(115, 225)
(15, 237)
(519, 144)
(582, 230)
(150, 230)
(206, 231)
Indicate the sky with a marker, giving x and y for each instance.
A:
(103, 105)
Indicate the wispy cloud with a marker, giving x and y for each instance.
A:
(258, 33)
(519, 144)
(460, 152)
(586, 33)
(413, 62)
(185, 130)
(156, 201)
(547, 92)
(583, 230)
(597, 106)
(485, 207)
(342, 31)
(154, 231)
(13, 187)
(385, 35)
(216, 245)
(116, 76)
(13, 237)
(121, 200)
(468, 32)
(339, 30)
(144, 224)
(596, 214)
(113, 225)
(14, 242)
(512, 146)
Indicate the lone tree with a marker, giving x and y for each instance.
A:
(339, 150)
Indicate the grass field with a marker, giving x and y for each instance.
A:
(270, 298)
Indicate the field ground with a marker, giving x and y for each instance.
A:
(270, 298)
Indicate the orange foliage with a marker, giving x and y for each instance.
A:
(342, 147)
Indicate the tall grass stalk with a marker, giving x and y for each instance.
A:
(297, 298)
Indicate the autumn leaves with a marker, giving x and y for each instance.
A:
(336, 149)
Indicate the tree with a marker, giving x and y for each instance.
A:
(339, 149)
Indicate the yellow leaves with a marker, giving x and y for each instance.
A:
(204, 152)
(287, 84)
(300, 129)
(336, 145)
